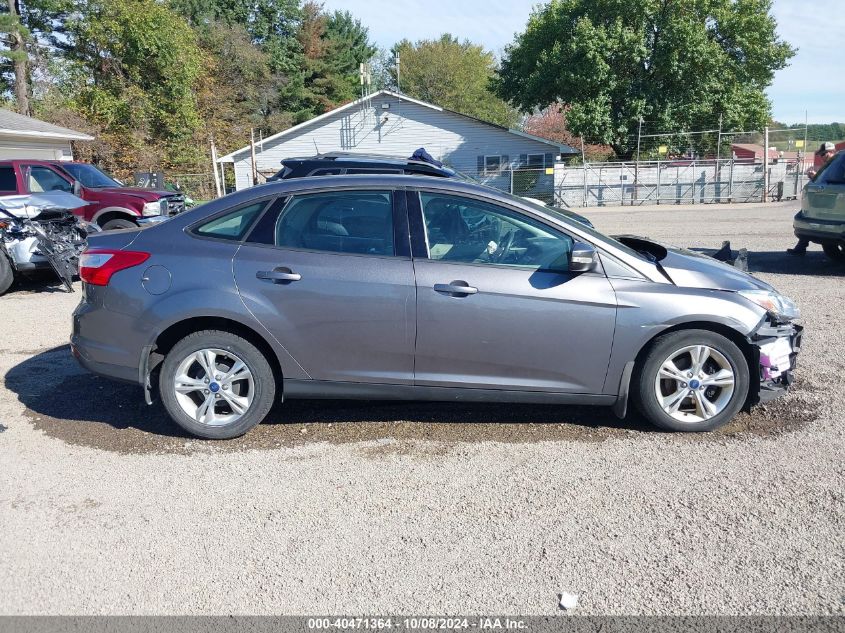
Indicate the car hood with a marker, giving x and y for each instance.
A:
(689, 269)
(148, 195)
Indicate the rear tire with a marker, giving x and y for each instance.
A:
(7, 275)
(216, 407)
(835, 251)
(671, 398)
(119, 223)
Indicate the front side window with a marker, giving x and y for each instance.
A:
(470, 231)
(232, 225)
(355, 222)
(41, 179)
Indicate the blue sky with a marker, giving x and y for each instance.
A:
(813, 82)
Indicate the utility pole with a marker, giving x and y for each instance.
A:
(718, 170)
(252, 154)
(584, 169)
(214, 167)
(637, 165)
(719, 142)
(766, 165)
(396, 61)
(804, 153)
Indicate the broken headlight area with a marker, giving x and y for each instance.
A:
(778, 345)
(41, 232)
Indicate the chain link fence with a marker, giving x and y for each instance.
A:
(199, 187)
(676, 182)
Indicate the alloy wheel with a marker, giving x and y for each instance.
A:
(695, 383)
(214, 387)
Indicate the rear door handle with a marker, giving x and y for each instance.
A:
(278, 275)
(456, 288)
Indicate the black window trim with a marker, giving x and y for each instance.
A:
(191, 229)
(401, 231)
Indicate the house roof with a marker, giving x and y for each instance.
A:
(756, 149)
(230, 158)
(14, 124)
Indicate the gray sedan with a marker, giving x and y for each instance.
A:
(415, 288)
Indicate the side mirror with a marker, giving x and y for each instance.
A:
(583, 258)
(77, 188)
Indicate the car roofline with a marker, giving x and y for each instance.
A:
(364, 158)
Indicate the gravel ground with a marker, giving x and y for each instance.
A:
(105, 508)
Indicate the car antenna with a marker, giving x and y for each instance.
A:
(315, 145)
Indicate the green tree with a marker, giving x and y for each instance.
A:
(239, 91)
(333, 46)
(677, 64)
(452, 74)
(142, 65)
(272, 24)
(349, 47)
(13, 35)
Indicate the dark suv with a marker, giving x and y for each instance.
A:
(337, 163)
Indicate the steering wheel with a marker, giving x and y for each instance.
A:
(504, 249)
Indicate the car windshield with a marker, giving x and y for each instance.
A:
(562, 214)
(89, 175)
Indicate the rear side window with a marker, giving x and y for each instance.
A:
(8, 182)
(325, 172)
(356, 222)
(232, 225)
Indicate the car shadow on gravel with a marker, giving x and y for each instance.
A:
(814, 263)
(66, 402)
(42, 282)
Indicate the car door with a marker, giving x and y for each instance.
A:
(329, 274)
(496, 305)
(825, 196)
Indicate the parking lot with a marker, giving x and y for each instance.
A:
(107, 508)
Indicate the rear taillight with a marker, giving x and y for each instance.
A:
(96, 266)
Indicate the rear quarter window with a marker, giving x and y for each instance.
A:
(232, 225)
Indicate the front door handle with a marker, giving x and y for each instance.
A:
(456, 288)
(278, 275)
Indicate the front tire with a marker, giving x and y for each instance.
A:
(692, 380)
(835, 251)
(216, 385)
(119, 223)
(7, 275)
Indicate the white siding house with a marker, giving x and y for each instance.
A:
(24, 137)
(394, 124)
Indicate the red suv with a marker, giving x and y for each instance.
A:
(111, 204)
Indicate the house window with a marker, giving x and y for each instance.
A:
(536, 161)
(492, 165)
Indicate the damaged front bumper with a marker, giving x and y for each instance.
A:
(777, 346)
